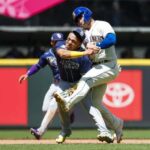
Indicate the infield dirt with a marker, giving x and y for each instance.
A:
(73, 141)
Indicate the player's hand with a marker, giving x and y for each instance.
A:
(93, 47)
(89, 52)
(22, 78)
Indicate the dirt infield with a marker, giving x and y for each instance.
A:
(73, 141)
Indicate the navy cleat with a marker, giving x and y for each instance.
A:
(35, 133)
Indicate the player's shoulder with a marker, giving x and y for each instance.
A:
(48, 53)
(101, 22)
(60, 44)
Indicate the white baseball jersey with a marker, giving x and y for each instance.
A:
(97, 33)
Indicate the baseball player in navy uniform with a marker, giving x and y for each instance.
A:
(49, 106)
(48, 58)
(101, 38)
(71, 71)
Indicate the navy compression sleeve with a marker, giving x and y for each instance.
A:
(35, 68)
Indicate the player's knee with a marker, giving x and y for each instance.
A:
(44, 108)
(53, 106)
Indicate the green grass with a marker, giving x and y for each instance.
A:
(76, 147)
(77, 134)
(86, 134)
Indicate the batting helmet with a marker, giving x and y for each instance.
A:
(79, 11)
(57, 37)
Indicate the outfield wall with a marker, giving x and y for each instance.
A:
(20, 104)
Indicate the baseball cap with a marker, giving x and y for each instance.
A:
(79, 33)
(57, 37)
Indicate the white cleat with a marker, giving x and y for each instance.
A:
(62, 137)
(119, 132)
(105, 136)
(59, 99)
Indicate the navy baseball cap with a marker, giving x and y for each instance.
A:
(57, 37)
(79, 33)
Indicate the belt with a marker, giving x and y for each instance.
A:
(101, 62)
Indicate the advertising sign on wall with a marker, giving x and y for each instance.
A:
(124, 95)
(13, 97)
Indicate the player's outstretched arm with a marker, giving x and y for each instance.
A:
(35, 68)
(70, 54)
(22, 78)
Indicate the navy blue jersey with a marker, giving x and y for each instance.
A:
(48, 58)
(71, 70)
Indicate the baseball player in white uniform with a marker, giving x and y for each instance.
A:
(100, 37)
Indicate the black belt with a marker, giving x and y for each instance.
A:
(101, 62)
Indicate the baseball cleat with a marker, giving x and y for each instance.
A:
(61, 101)
(119, 132)
(105, 136)
(35, 133)
(61, 137)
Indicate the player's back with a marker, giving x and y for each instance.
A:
(97, 33)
